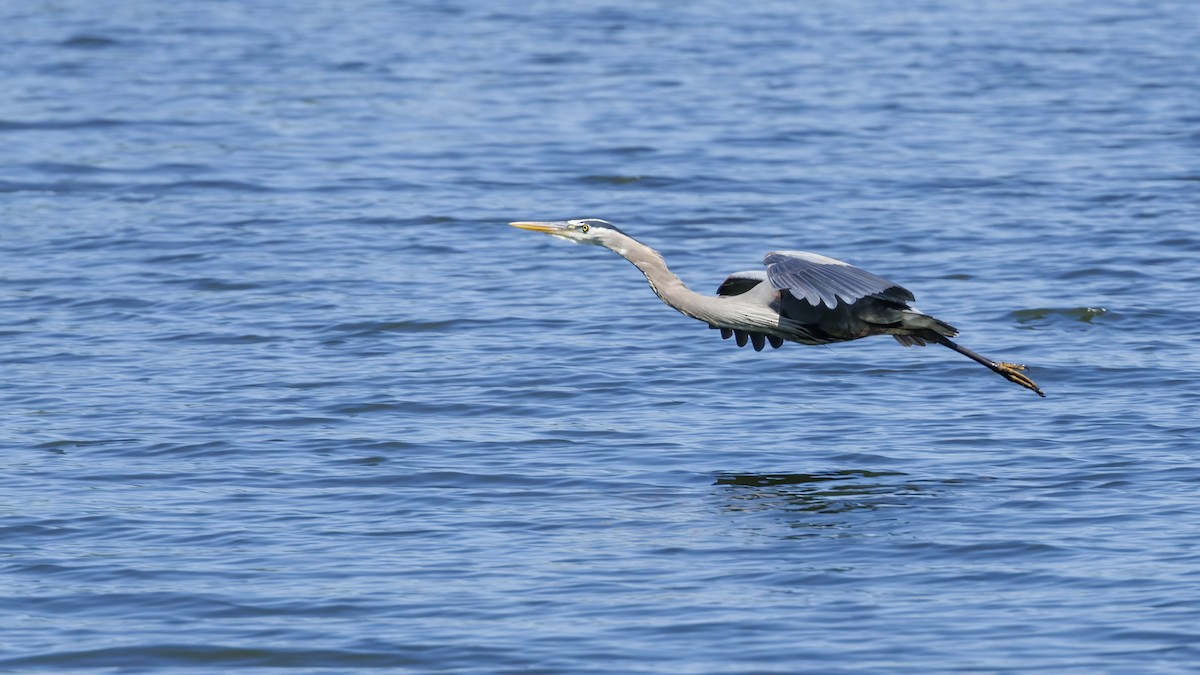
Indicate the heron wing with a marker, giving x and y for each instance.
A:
(818, 280)
(737, 284)
(740, 282)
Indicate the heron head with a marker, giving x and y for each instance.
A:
(583, 231)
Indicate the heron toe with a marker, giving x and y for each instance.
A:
(1012, 372)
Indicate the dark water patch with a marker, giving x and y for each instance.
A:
(99, 123)
(131, 478)
(1002, 550)
(76, 169)
(450, 480)
(777, 137)
(375, 460)
(315, 384)
(88, 41)
(113, 303)
(833, 492)
(1107, 271)
(200, 449)
(65, 168)
(446, 403)
(803, 479)
(558, 58)
(168, 655)
(38, 531)
(62, 125)
(400, 221)
(64, 187)
(369, 328)
(357, 66)
(203, 185)
(1112, 197)
(73, 444)
(434, 249)
(1049, 315)
(629, 150)
(651, 182)
(215, 338)
(148, 605)
(382, 407)
(217, 285)
(273, 422)
(179, 258)
(1189, 244)
(957, 183)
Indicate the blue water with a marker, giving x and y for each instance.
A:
(281, 389)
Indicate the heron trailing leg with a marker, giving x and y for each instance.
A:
(1009, 371)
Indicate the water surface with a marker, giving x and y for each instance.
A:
(281, 390)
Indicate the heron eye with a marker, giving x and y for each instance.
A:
(584, 228)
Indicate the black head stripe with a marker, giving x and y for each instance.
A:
(596, 222)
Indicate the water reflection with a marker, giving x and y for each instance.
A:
(823, 492)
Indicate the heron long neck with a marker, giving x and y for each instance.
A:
(670, 288)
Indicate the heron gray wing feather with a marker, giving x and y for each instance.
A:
(818, 280)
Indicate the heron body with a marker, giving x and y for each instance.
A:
(800, 297)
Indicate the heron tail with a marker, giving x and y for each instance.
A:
(924, 329)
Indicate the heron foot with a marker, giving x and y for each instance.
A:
(1012, 373)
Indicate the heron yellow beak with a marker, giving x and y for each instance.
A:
(547, 227)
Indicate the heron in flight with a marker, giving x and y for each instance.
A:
(800, 297)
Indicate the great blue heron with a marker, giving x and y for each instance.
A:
(801, 297)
